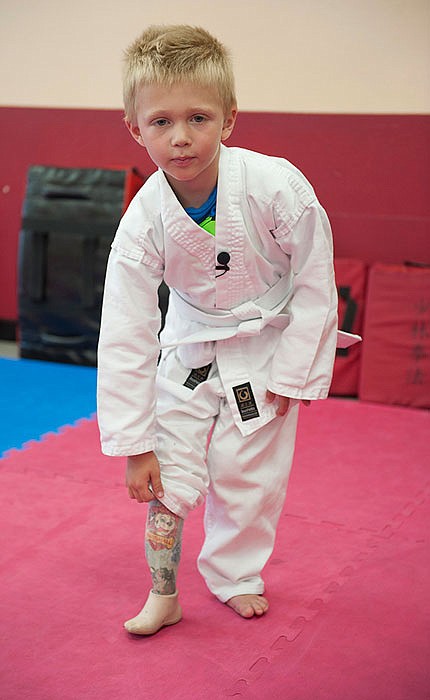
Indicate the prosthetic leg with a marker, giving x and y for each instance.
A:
(163, 542)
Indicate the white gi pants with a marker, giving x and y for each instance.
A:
(243, 479)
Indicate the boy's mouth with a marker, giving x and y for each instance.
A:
(183, 160)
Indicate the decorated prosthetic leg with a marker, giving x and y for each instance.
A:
(163, 551)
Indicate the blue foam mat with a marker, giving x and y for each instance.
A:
(39, 397)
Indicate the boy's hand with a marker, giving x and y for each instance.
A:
(283, 402)
(143, 471)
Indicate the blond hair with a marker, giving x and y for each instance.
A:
(166, 55)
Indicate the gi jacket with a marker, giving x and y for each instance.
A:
(273, 248)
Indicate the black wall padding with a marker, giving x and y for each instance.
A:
(69, 219)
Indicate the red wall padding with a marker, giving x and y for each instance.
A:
(395, 365)
(369, 171)
(351, 285)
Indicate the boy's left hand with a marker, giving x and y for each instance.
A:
(283, 402)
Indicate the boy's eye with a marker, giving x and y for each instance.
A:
(160, 122)
(198, 118)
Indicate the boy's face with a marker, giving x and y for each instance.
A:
(182, 128)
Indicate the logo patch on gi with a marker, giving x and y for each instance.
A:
(197, 376)
(245, 401)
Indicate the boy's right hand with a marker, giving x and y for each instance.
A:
(142, 472)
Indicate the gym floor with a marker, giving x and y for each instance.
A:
(348, 581)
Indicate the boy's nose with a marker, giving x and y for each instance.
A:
(180, 135)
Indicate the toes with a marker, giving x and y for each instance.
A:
(258, 610)
(239, 606)
(246, 611)
(249, 605)
(263, 605)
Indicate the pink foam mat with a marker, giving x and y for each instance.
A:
(348, 581)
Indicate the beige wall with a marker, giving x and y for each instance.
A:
(290, 55)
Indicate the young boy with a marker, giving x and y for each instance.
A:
(246, 250)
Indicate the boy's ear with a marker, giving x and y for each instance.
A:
(135, 132)
(229, 122)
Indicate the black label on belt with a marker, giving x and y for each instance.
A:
(197, 376)
(245, 401)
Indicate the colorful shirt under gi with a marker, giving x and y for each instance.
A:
(204, 216)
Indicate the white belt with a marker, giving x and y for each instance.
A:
(246, 319)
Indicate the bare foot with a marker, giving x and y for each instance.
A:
(249, 604)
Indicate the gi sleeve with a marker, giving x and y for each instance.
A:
(128, 353)
(302, 365)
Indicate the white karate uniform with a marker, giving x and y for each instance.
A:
(266, 319)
